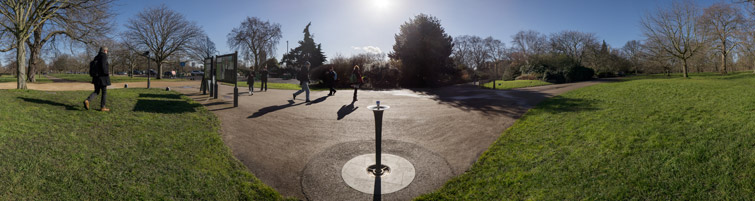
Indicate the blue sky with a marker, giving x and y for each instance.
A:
(346, 27)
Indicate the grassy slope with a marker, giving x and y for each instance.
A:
(153, 145)
(513, 84)
(113, 79)
(11, 78)
(653, 139)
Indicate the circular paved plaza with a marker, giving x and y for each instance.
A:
(300, 149)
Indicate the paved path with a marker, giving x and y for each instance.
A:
(299, 148)
(57, 80)
(73, 86)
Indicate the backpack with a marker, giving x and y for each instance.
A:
(93, 68)
(302, 76)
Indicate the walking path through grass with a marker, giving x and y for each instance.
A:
(71, 86)
(113, 78)
(13, 79)
(645, 139)
(513, 84)
(153, 145)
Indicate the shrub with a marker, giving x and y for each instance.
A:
(606, 74)
(579, 73)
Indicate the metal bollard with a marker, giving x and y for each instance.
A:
(377, 110)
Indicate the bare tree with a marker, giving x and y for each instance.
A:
(529, 42)
(747, 41)
(255, 38)
(470, 51)
(26, 19)
(163, 32)
(82, 20)
(202, 48)
(633, 50)
(125, 54)
(724, 22)
(676, 31)
(573, 43)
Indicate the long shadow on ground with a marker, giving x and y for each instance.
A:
(163, 103)
(273, 108)
(166, 96)
(560, 104)
(40, 101)
(346, 110)
(164, 106)
(512, 103)
(318, 100)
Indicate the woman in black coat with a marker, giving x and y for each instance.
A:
(100, 73)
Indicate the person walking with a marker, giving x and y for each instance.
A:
(303, 78)
(263, 78)
(100, 73)
(356, 80)
(250, 81)
(331, 77)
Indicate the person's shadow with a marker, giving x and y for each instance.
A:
(273, 108)
(346, 110)
(318, 100)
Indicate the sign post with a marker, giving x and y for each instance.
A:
(235, 81)
(206, 76)
(226, 71)
(214, 77)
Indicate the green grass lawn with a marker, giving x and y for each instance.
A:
(11, 78)
(113, 78)
(645, 139)
(513, 84)
(153, 145)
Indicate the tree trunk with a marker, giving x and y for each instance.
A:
(723, 63)
(131, 75)
(33, 62)
(684, 68)
(21, 64)
(159, 70)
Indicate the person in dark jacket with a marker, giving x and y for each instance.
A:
(250, 81)
(100, 73)
(331, 77)
(263, 78)
(356, 79)
(303, 77)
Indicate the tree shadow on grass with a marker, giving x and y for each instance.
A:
(560, 104)
(164, 106)
(273, 108)
(40, 101)
(165, 96)
(346, 110)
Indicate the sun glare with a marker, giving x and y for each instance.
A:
(381, 4)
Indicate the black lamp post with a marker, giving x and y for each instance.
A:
(146, 54)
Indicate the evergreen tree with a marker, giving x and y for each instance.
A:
(424, 49)
(307, 50)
